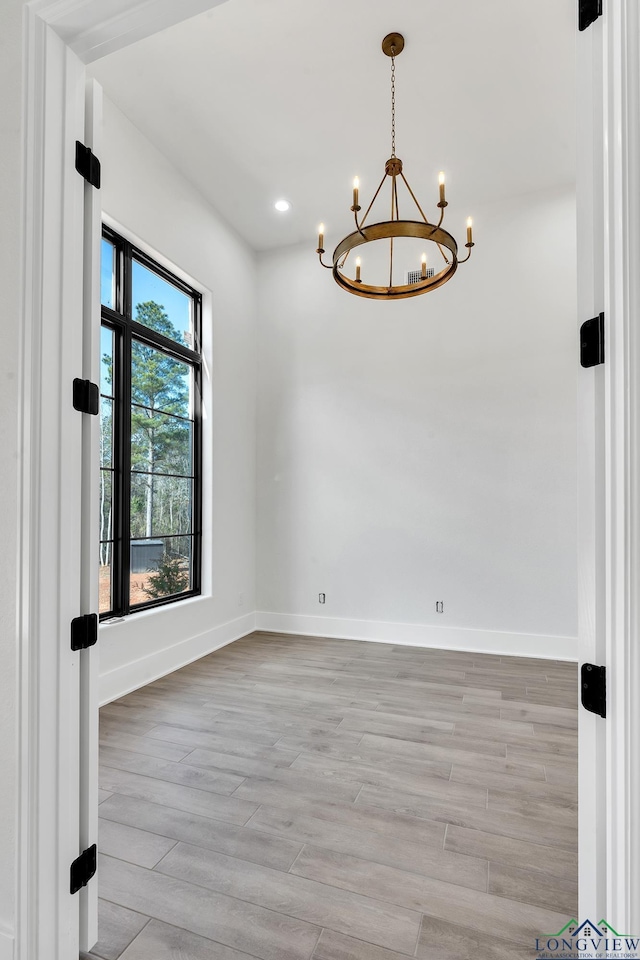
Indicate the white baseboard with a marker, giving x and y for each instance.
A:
(133, 675)
(6, 944)
(423, 635)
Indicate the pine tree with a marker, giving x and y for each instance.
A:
(159, 443)
(169, 579)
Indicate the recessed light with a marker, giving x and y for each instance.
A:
(282, 206)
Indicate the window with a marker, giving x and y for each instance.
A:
(150, 438)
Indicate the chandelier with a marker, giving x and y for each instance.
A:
(421, 280)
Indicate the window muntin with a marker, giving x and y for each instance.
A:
(106, 467)
(150, 536)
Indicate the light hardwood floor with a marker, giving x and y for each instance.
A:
(288, 798)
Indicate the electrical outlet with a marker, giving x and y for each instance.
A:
(439, 606)
(321, 598)
(241, 599)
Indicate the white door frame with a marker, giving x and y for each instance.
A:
(609, 461)
(621, 193)
(58, 31)
(49, 532)
(55, 685)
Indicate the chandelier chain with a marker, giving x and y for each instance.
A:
(393, 106)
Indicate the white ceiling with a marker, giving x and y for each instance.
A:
(260, 99)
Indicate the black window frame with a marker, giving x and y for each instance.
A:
(126, 330)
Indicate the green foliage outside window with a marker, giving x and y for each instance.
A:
(170, 578)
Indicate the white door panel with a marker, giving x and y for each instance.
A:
(90, 507)
(591, 467)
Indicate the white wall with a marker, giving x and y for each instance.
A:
(143, 193)
(425, 450)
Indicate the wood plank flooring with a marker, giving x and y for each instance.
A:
(289, 798)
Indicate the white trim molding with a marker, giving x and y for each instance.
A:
(6, 945)
(621, 148)
(609, 461)
(93, 33)
(495, 642)
(133, 675)
(49, 531)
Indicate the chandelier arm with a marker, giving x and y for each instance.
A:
(358, 226)
(375, 197)
(469, 246)
(393, 217)
(435, 227)
(395, 193)
(414, 198)
(444, 256)
(327, 266)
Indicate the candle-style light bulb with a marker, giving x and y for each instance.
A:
(321, 237)
(441, 181)
(356, 189)
(469, 230)
(424, 266)
(358, 265)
